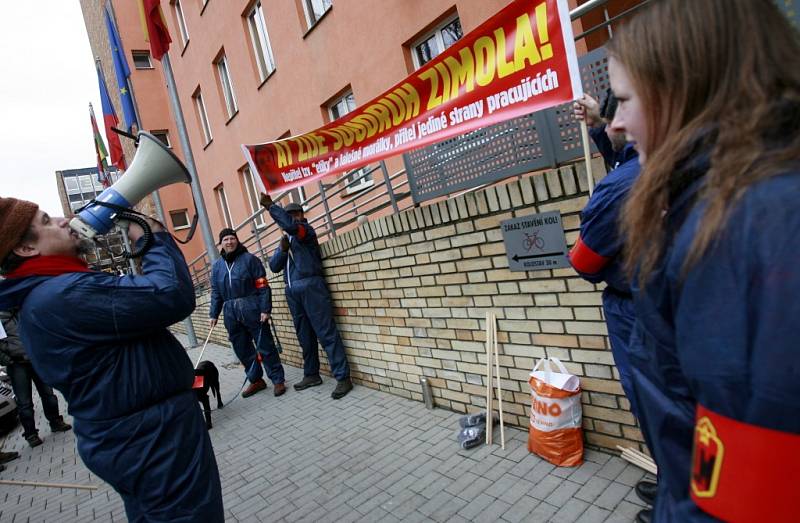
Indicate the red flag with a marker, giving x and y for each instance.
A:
(110, 120)
(154, 26)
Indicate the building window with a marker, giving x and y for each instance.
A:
(222, 203)
(337, 109)
(71, 184)
(227, 86)
(162, 135)
(200, 107)
(434, 43)
(141, 59)
(260, 40)
(298, 196)
(315, 9)
(251, 194)
(180, 219)
(181, 22)
(87, 185)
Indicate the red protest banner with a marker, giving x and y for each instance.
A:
(519, 61)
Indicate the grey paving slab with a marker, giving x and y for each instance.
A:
(368, 457)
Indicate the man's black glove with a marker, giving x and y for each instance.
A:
(265, 200)
(285, 243)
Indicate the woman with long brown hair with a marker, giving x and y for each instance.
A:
(709, 90)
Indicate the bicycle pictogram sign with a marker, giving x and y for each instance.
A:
(533, 240)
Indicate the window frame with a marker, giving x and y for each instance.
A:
(224, 206)
(172, 215)
(262, 48)
(67, 188)
(251, 195)
(312, 18)
(436, 32)
(183, 29)
(202, 114)
(351, 186)
(164, 132)
(226, 84)
(141, 53)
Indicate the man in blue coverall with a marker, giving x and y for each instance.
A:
(239, 286)
(308, 297)
(102, 340)
(596, 255)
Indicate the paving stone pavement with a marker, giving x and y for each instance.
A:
(368, 457)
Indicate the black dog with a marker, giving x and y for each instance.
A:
(210, 375)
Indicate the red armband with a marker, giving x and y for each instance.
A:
(742, 472)
(585, 260)
(261, 283)
(301, 231)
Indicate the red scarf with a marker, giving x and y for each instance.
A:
(49, 266)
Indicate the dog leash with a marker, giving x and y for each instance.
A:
(200, 358)
(256, 361)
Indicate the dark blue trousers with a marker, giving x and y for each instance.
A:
(620, 317)
(312, 312)
(160, 461)
(244, 330)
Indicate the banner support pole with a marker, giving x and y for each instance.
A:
(587, 156)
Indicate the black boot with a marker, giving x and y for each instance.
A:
(646, 490)
(342, 388)
(59, 425)
(33, 440)
(5, 457)
(644, 516)
(308, 381)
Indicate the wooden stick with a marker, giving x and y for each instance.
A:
(499, 390)
(639, 459)
(587, 156)
(48, 485)
(488, 382)
(204, 346)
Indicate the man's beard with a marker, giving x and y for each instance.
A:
(84, 246)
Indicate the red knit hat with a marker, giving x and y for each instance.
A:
(15, 218)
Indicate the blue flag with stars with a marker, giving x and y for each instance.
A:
(122, 72)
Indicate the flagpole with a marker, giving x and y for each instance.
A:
(128, 83)
(197, 192)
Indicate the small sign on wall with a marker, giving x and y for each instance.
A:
(535, 242)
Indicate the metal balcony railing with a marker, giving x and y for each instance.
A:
(261, 240)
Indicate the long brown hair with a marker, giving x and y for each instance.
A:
(698, 65)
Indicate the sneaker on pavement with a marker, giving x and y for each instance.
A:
(342, 388)
(279, 389)
(60, 426)
(308, 381)
(5, 457)
(256, 386)
(33, 440)
(646, 490)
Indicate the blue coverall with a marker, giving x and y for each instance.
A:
(239, 288)
(721, 340)
(307, 295)
(596, 255)
(102, 340)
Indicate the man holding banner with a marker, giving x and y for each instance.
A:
(308, 297)
(519, 61)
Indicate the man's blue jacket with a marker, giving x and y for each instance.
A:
(102, 341)
(244, 277)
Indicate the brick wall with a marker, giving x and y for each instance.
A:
(411, 293)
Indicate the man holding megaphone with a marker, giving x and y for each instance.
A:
(102, 341)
